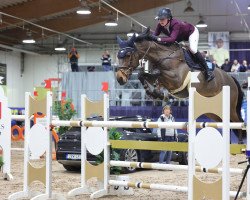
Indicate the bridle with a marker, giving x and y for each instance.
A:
(128, 70)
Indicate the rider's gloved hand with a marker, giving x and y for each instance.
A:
(153, 38)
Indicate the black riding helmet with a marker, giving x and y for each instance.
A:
(164, 13)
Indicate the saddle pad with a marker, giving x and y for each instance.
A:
(192, 62)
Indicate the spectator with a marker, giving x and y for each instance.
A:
(248, 68)
(215, 63)
(106, 61)
(167, 135)
(220, 54)
(243, 67)
(226, 66)
(235, 66)
(73, 59)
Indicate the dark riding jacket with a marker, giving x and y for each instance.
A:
(176, 31)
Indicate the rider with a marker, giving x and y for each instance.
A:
(177, 30)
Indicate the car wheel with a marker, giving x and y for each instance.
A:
(130, 155)
(71, 168)
(183, 158)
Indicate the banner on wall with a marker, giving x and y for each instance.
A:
(3, 74)
(218, 43)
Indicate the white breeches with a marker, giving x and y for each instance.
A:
(193, 41)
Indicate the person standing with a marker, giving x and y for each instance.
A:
(220, 54)
(166, 135)
(226, 66)
(73, 59)
(106, 61)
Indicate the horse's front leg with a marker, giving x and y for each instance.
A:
(151, 85)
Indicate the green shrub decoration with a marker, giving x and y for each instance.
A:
(1, 161)
(113, 135)
(65, 111)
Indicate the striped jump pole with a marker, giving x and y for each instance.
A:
(145, 165)
(143, 124)
(153, 186)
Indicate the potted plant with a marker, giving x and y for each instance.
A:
(113, 135)
(1, 162)
(64, 109)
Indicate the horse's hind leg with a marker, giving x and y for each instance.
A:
(239, 133)
(213, 117)
(149, 81)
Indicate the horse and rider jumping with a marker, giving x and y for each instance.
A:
(174, 73)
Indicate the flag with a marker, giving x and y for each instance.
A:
(105, 86)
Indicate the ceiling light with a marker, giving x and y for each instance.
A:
(132, 31)
(189, 7)
(201, 23)
(60, 48)
(84, 9)
(248, 7)
(60, 45)
(111, 22)
(29, 39)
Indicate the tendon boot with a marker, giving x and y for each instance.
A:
(208, 74)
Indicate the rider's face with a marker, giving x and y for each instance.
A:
(163, 22)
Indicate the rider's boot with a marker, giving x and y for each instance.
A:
(209, 75)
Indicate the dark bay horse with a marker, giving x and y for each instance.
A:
(173, 73)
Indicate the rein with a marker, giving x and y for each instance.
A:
(146, 52)
(169, 57)
(127, 70)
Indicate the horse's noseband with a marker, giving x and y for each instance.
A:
(127, 70)
(122, 53)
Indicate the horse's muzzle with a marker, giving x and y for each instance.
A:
(121, 78)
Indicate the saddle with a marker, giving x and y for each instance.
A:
(192, 62)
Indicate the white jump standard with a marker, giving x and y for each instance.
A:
(5, 136)
(37, 142)
(198, 106)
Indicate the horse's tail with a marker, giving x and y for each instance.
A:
(240, 99)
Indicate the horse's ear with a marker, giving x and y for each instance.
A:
(147, 31)
(119, 40)
(132, 40)
(144, 35)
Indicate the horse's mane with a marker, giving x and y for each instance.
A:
(164, 46)
(167, 46)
